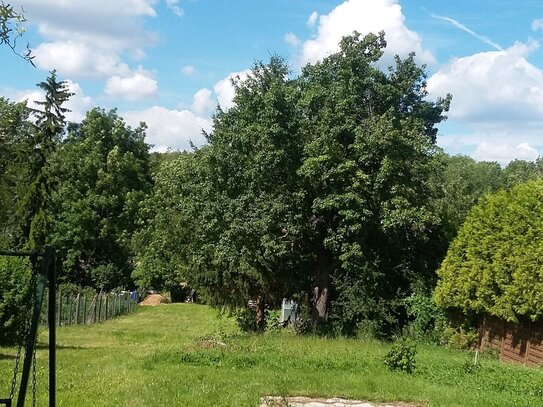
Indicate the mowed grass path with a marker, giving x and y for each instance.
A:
(187, 355)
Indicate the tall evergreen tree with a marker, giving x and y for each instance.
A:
(35, 219)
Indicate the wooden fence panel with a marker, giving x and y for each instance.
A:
(520, 343)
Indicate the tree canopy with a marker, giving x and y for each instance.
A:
(494, 264)
(316, 186)
(103, 173)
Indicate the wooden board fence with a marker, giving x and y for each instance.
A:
(520, 343)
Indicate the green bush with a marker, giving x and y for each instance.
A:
(401, 357)
(427, 321)
(494, 264)
(272, 321)
(246, 319)
(15, 299)
(460, 338)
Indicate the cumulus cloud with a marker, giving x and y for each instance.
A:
(504, 152)
(85, 39)
(364, 17)
(103, 23)
(203, 103)
(225, 91)
(498, 98)
(136, 86)
(290, 38)
(312, 19)
(170, 128)
(78, 60)
(493, 90)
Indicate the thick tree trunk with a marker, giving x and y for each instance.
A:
(322, 290)
(260, 314)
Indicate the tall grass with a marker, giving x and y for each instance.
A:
(188, 355)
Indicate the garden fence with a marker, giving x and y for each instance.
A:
(84, 308)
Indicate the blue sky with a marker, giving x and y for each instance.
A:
(167, 62)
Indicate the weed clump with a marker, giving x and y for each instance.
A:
(401, 357)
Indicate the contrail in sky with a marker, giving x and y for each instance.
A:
(462, 27)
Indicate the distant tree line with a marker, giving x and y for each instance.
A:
(327, 188)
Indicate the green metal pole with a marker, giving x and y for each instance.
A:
(50, 252)
(31, 339)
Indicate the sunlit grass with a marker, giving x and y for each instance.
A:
(188, 355)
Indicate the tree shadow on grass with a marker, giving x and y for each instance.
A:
(46, 347)
(4, 356)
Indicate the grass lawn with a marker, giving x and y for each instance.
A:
(187, 355)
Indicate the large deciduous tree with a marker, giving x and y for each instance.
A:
(162, 240)
(103, 168)
(369, 138)
(494, 264)
(15, 145)
(460, 182)
(247, 193)
(319, 184)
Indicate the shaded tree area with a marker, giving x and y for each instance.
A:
(366, 165)
(327, 187)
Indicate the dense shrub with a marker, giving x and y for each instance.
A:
(494, 264)
(15, 299)
(401, 357)
(428, 322)
(462, 337)
(246, 319)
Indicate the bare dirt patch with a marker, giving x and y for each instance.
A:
(271, 401)
(153, 300)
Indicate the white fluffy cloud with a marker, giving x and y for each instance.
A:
(498, 98)
(136, 86)
(504, 152)
(78, 60)
(170, 128)
(203, 103)
(224, 90)
(364, 17)
(493, 90)
(104, 24)
(86, 39)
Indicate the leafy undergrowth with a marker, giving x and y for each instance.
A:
(187, 355)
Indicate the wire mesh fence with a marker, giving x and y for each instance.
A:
(88, 308)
